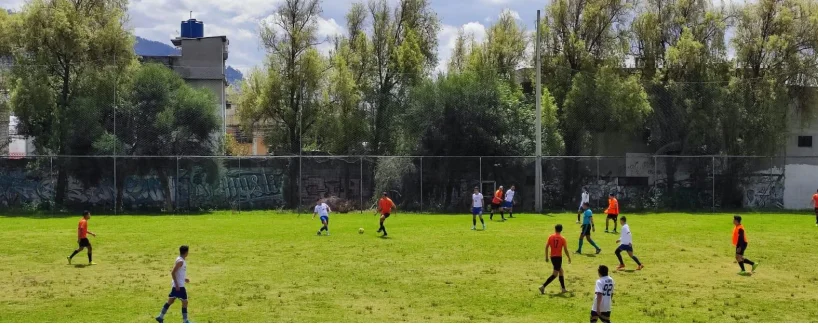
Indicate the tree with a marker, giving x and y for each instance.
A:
(287, 94)
(402, 43)
(67, 55)
(161, 116)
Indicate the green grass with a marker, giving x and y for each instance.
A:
(268, 267)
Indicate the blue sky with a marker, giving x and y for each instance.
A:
(238, 19)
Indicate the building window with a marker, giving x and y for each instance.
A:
(805, 141)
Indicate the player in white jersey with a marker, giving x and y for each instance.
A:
(177, 291)
(322, 210)
(508, 203)
(586, 198)
(603, 295)
(477, 208)
(626, 244)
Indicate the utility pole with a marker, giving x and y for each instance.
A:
(538, 168)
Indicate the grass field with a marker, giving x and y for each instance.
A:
(268, 267)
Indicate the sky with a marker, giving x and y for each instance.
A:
(159, 20)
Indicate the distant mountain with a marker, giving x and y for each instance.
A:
(147, 47)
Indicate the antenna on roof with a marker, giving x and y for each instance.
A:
(191, 14)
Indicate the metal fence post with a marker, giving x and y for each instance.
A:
(421, 183)
(115, 183)
(713, 195)
(361, 185)
(176, 188)
(598, 179)
(481, 175)
(655, 182)
(53, 183)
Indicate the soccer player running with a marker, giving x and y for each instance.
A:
(322, 210)
(385, 207)
(626, 244)
(740, 241)
(508, 204)
(496, 201)
(815, 203)
(177, 291)
(477, 208)
(603, 295)
(82, 238)
(612, 211)
(586, 198)
(557, 245)
(587, 227)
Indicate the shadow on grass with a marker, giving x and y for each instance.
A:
(78, 214)
(80, 266)
(566, 295)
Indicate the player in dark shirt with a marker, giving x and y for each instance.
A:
(741, 242)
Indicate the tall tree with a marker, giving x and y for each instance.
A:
(287, 93)
(161, 116)
(403, 46)
(62, 49)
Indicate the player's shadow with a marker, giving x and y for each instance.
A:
(566, 295)
(746, 275)
(80, 266)
(629, 271)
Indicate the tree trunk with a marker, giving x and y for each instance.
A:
(62, 184)
(166, 195)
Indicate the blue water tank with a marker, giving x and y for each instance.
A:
(192, 28)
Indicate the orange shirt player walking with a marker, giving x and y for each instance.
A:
(496, 202)
(740, 241)
(82, 238)
(612, 211)
(385, 207)
(557, 245)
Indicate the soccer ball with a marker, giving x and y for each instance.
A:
(361, 231)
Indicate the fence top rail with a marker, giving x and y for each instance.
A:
(259, 157)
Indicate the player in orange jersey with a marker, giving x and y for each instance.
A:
(82, 238)
(557, 245)
(385, 207)
(815, 203)
(740, 241)
(496, 202)
(612, 211)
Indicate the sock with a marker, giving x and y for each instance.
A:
(474, 221)
(577, 217)
(74, 254)
(503, 215)
(619, 256)
(550, 279)
(741, 264)
(593, 243)
(749, 262)
(384, 230)
(636, 260)
(562, 281)
(579, 248)
(491, 216)
(164, 310)
(511, 214)
(89, 257)
(381, 229)
(184, 314)
(482, 222)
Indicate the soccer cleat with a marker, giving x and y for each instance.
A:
(160, 320)
(578, 223)
(755, 266)
(564, 291)
(542, 290)
(640, 267)
(598, 251)
(620, 267)
(484, 227)
(473, 228)
(319, 233)
(327, 233)
(69, 260)
(578, 252)
(744, 273)
(606, 231)
(91, 263)
(186, 322)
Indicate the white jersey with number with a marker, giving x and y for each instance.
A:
(477, 200)
(604, 286)
(181, 273)
(322, 210)
(510, 195)
(625, 237)
(586, 197)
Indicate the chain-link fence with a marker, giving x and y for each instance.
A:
(429, 184)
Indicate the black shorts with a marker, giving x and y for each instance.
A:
(84, 243)
(495, 206)
(385, 215)
(613, 216)
(606, 316)
(740, 249)
(181, 294)
(586, 230)
(816, 211)
(557, 262)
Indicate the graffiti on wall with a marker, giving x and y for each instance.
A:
(764, 191)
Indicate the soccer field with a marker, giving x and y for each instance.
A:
(271, 267)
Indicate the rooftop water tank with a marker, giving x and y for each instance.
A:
(192, 28)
